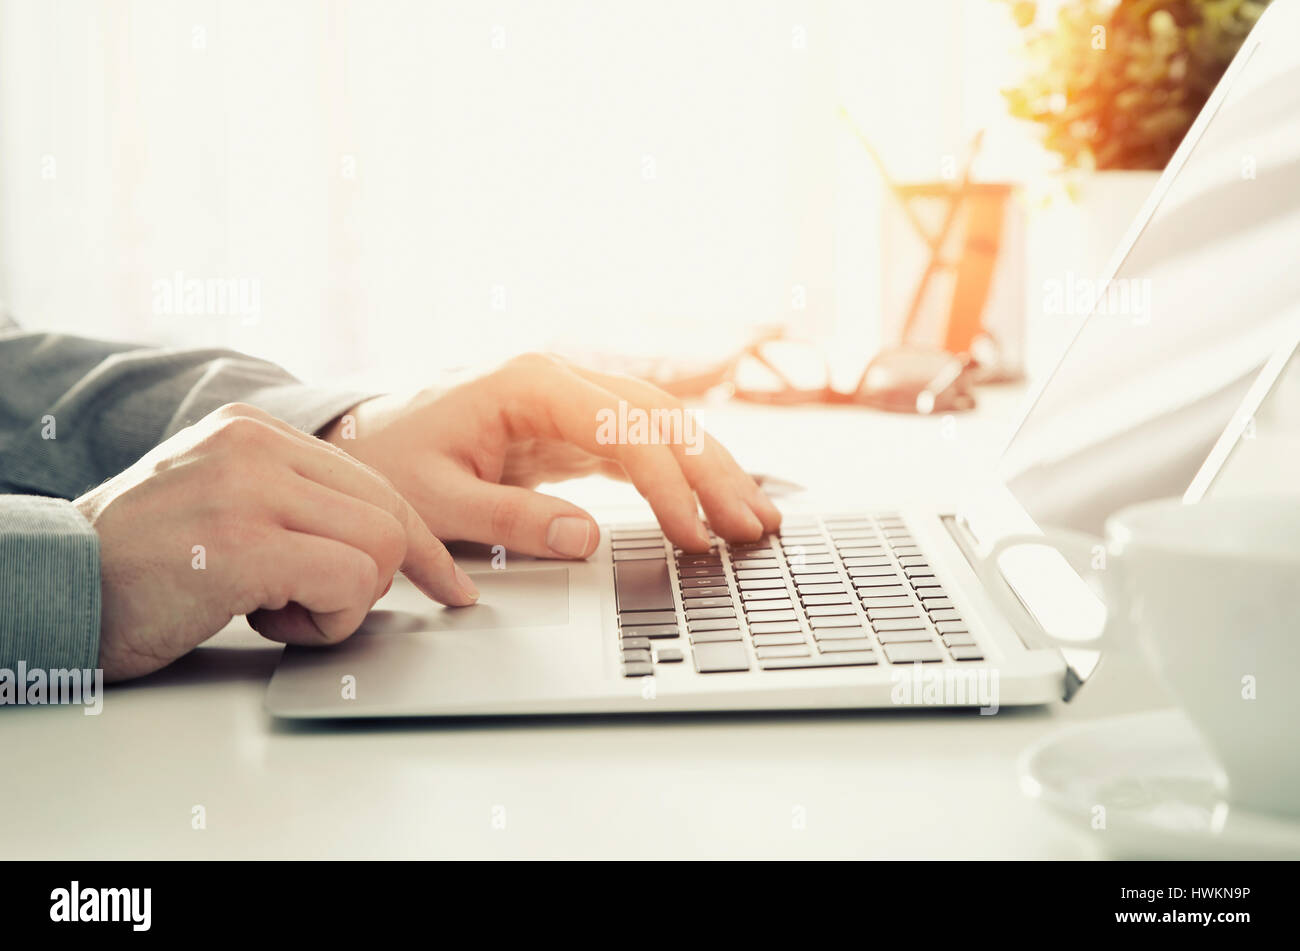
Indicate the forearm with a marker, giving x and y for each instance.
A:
(74, 412)
(49, 585)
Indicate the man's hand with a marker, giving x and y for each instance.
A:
(243, 514)
(467, 458)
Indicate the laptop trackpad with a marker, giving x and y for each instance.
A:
(533, 597)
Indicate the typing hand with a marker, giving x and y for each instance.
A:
(468, 458)
(243, 514)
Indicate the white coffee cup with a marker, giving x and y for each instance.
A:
(1211, 592)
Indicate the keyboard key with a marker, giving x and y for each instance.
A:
(950, 627)
(689, 583)
(881, 614)
(707, 614)
(917, 571)
(816, 558)
(647, 617)
(775, 627)
(669, 655)
(938, 604)
(715, 637)
(717, 591)
(925, 584)
(635, 643)
(829, 610)
(870, 554)
(761, 617)
(819, 588)
(846, 659)
(639, 554)
(745, 574)
(868, 563)
(698, 561)
(932, 593)
(756, 554)
(631, 657)
(966, 653)
(627, 544)
(757, 563)
(758, 607)
(945, 615)
(882, 591)
(906, 551)
(652, 631)
(959, 640)
(638, 668)
(709, 571)
(839, 633)
(874, 602)
(867, 575)
(912, 653)
(766, 653)
(712, 602)
(770, 594)
(778, 640)
(637, 535)
(898, 624)
(913, 561)
(761, 584)
(835, 646)
(842, 598)
(713, 624)
(819, 623)
(718, 658)
(643, 586)
(917, 636)
(826, 569)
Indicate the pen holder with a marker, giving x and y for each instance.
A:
(953, 273)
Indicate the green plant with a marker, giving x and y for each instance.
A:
(1117, 83)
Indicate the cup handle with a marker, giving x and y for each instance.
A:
(1078, 548)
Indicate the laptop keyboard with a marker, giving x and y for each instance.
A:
(849, 591)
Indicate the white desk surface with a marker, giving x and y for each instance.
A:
(872, 784)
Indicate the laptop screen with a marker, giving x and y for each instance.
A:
(1203, 298)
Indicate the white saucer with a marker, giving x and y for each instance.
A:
(1161, 789)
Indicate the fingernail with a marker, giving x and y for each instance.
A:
(466, 585)
(702, 535)
(569, 536)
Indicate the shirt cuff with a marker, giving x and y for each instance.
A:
(49, 585)
(304, 407)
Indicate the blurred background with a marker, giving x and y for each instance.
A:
(376, 192)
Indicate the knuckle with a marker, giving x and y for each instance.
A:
(534, 362)
(236, 410)
(241, 431)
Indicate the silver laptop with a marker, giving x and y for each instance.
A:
(876, 606)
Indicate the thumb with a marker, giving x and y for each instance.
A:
(526, 522)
